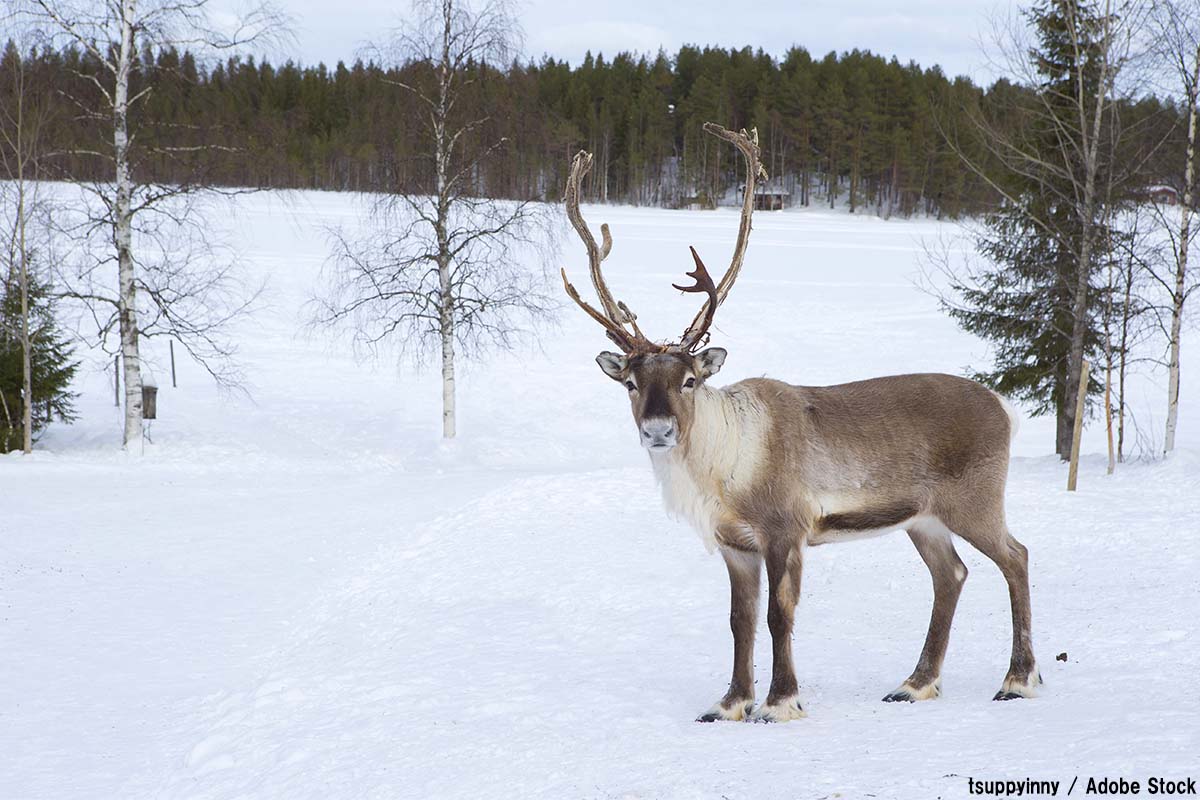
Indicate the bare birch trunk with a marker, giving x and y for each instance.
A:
(1075, 356)
(26, 345)
(1076, 373)
(123, 213)
(1108, 368)
(446, 289)
(449, 423)
(23, 280)
(1126, 317)
(1090, 145)
(1108, 420)
(1181, 265)
(1108, 417)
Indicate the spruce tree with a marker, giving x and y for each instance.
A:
(1026, 301)
(1023, 307)
(51, 359)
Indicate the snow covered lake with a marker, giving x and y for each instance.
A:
(305, 593)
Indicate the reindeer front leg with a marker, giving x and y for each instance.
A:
(744, 567)
(784, 562)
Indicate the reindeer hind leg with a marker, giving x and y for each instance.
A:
(986, 530)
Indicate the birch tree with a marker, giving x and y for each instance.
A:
(440, 270)
(112, 33)
(1177, 32)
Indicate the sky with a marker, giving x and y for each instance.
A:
(945, 32)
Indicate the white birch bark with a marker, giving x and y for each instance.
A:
(445, 287)
(23, 281)
(1181, 262)
(123, 214)
(23, 278)
(449, 421)
(1123, 365)
(1108, 366)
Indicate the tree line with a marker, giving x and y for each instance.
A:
(852, 129)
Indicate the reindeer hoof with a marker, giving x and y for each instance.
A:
(782, 711)
(1013, 688)
(907, 693)
(736, 713)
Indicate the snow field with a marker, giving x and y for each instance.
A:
(313, 596)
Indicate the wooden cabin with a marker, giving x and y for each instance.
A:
(770, 197)
(1161, 195)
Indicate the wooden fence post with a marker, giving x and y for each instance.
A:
(1073, 472)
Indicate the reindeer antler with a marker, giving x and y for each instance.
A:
(613, 314)
(704, 283)
(747, 143)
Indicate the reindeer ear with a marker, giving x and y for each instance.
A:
(709, 361)
(612, 364)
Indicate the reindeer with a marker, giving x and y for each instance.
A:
(763, 469)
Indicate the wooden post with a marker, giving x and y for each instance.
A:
(1073, 472)
(117, 381)
(1108, 422)
(171, 344)
(7, 416)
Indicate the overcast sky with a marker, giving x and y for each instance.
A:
(945, 32)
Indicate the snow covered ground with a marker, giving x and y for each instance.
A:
(305, 593)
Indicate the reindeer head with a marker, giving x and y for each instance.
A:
(662, 389)
(661, 377)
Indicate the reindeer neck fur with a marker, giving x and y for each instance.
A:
(717, 461)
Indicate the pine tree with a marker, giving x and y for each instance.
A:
(51, 357)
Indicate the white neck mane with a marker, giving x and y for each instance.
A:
(722, 453)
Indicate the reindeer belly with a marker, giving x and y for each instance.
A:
(862, 520)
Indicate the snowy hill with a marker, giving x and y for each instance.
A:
(305, 593)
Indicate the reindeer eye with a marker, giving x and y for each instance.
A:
(629, 385)
(690, 383)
